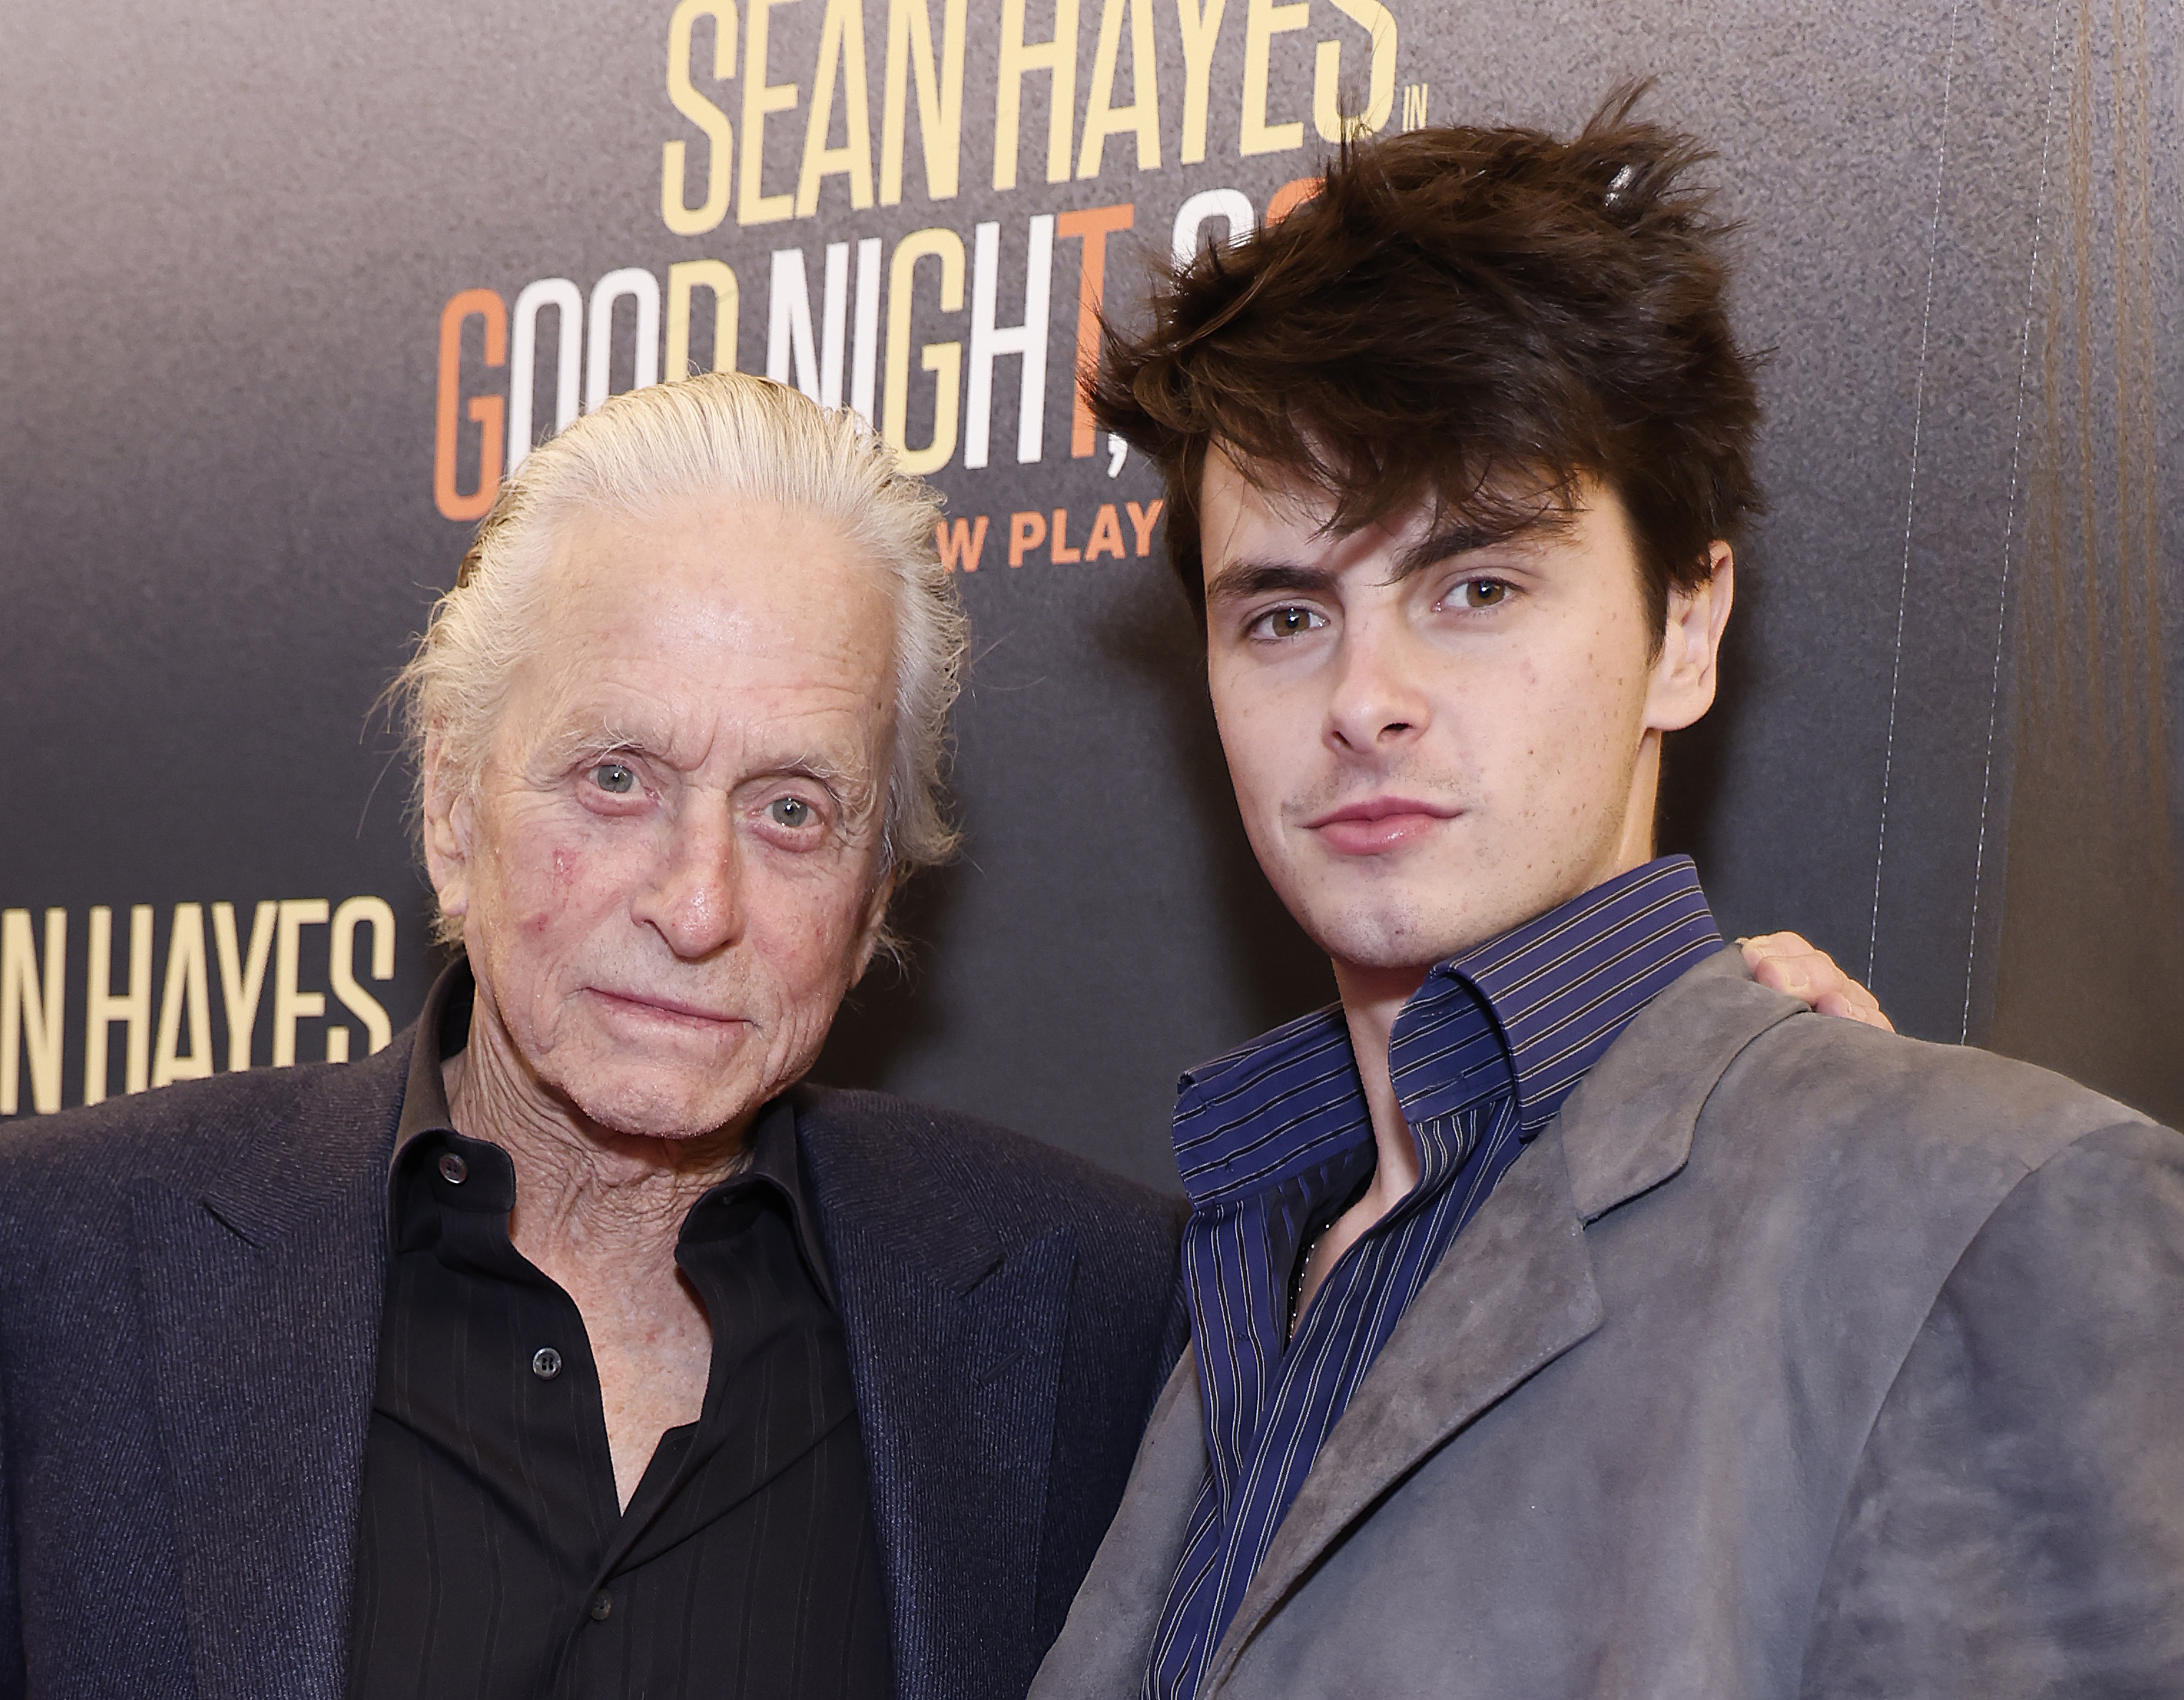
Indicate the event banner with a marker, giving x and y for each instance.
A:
(289, 294)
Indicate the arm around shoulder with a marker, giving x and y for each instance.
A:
(2016, 1524)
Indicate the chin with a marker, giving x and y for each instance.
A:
(1391, 938)
(648, 1107)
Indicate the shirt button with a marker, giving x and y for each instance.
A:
(602, 1605)
(453, 1169)
(546, 1364)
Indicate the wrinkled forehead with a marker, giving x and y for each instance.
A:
(706, 609)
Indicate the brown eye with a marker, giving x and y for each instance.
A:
(1482, 593)
(1286, 622)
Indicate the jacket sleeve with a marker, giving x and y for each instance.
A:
(14, 1677)
(2016, 1524)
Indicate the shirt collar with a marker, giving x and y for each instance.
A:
(1529, 1010)
(443, 1030)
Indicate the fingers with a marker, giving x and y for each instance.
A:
(1792, 965)
(1855, 1003)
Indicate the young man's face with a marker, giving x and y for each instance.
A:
(1433, 742)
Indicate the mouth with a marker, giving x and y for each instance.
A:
(1373, 825)
(674, 1011)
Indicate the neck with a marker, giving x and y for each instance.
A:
(1372, 998)
(588, 1197)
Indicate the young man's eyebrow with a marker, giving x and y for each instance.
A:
(1467, 537)
(1244, 578)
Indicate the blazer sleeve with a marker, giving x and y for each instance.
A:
(2015, 1526)
(14, 1676)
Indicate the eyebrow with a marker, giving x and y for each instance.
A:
(1468, 536)
(584, 739)
(1240, 580)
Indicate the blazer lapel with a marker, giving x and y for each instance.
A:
(1511, 1295)
(1515, 1291)
(261, 1294)
(954, 1333)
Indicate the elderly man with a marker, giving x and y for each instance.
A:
(564, 1348)
(1574, 1316)
(569, 1347)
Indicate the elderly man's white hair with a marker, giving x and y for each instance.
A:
(722, 434)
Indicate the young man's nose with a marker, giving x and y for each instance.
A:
(695, 900)
(1378, 700)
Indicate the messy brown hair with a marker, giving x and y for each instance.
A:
(1485, 318)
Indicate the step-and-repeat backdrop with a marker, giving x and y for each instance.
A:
(284, 291)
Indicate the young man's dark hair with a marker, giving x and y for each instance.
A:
(1487, 315)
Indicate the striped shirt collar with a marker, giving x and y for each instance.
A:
(1531, 1010)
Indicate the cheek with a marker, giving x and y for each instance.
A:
(553, 881)
(564, 869)
(1261, 740)
(806, 932)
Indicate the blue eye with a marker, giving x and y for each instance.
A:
(789, 812)
(613, 776)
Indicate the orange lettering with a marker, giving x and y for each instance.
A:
(1107, 537)
(1289, 196)
(1094, 223)
(1026, 532)
(1143, 520)
(961, 544)
(1063, 555)
(489, 412)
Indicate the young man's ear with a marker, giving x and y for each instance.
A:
(446, 834)
(1685, 674)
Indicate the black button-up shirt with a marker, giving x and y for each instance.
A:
(493, 1560)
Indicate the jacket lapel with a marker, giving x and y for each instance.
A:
(955, 1331)
(260, 1294)
(1511, 1295)
(1515, 1291)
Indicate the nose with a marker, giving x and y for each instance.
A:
(1379, 705)
(694, 899)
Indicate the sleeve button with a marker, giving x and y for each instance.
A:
(453, 1169)
(546, 1364)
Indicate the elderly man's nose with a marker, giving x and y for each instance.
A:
(1376, 700)
(696, 902)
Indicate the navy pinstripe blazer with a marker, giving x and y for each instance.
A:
(190, 1292)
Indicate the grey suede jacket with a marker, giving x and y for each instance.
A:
(1794, 1358)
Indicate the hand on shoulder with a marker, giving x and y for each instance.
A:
(1789, 963)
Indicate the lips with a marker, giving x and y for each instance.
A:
(659, 1008)
(1377, 824)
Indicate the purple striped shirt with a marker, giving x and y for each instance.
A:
(1274, 1137)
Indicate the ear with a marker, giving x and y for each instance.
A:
(448, 823)
(1685, 676)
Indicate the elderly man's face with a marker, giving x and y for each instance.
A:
(672, 870)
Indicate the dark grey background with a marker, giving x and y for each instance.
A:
(226, 232)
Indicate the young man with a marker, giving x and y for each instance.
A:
(1571, 1316)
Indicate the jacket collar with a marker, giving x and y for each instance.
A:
(1628, 1126)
